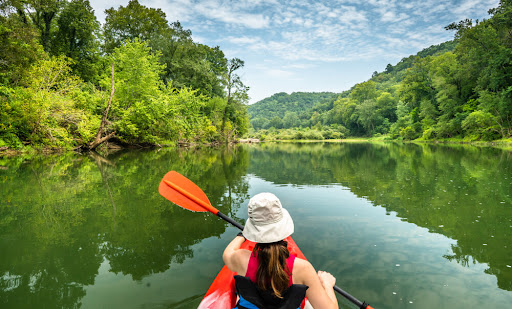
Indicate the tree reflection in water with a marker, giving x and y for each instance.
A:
(62, 216)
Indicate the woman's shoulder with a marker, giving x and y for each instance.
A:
(302, 271)
(240, 259)
(242, 255)
(302, 264)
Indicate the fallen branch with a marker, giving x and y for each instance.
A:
(98, 140)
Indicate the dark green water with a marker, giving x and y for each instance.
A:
(400, 226)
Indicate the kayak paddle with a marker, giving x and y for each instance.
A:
(183, 192)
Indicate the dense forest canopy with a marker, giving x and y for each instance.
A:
(281, 110)
(59, 67)
(459, 89)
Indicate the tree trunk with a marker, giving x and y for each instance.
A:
(224, 116)
(99, 140)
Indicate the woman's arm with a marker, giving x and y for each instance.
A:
(234, 257)
(320, 292)
(328, 281)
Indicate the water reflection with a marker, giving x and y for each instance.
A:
(462, 192)
(63, 216)
(92, 231)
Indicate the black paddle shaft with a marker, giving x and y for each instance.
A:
(228, 219)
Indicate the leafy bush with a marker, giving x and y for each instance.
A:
(429, 134)
(480, 125)
(408, 133)
(313, 135)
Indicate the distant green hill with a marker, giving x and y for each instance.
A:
(280, 103)
(306, 109)
(272, 111)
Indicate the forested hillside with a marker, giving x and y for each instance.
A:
(66, 81)
(459, 89)
(281, 110)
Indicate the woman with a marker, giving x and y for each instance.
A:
(270, 267)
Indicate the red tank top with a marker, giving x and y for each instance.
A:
(252, 267)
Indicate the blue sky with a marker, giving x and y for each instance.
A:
(313, 46)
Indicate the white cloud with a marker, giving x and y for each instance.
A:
(217, 11)
(467, 7)
(291, 36)
(351, 15)
(245, 40)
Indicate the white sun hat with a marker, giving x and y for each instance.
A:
(268, 221)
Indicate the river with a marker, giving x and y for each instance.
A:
(398, 225)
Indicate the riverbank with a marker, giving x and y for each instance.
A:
(110, 147)
(505, 144)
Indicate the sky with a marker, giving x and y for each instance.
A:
(313, 46)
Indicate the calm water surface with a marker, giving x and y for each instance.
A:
(400, 226)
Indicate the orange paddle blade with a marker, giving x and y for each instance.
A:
(184, 193)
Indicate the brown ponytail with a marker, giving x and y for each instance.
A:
(273, 270)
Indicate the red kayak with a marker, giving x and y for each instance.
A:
(221, 294)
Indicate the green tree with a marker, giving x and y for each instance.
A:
(290, 120)
(368, 115)
(485, 54)
(364, 91)
(42, 14)
(76, 36)
(403, 119)
(500, 106)
(481, 125)
(417, 84)
(428, 114)
(386, 105)
(50, 115)
(131, 22)
(259, 123)
(20, 47)
(236, 92)
(276, 123)
(137, 84)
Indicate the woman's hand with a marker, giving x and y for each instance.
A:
(328, 280)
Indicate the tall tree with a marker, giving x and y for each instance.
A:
(130, 22)
(76, 36)
(42, 13)
(368, 115)
(237, 91)
(364, 91)
(20, 46)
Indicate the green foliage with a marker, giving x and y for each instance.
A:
(45, 112)
(290, 120)
(318, 133)
(275, 123)
(368, 116)
(20, 48)
(168, 88)
(280, 103)
(42, 14)
(131, 22)
(364, 91)
(77, 36)
(137, 74)
(480, 125)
